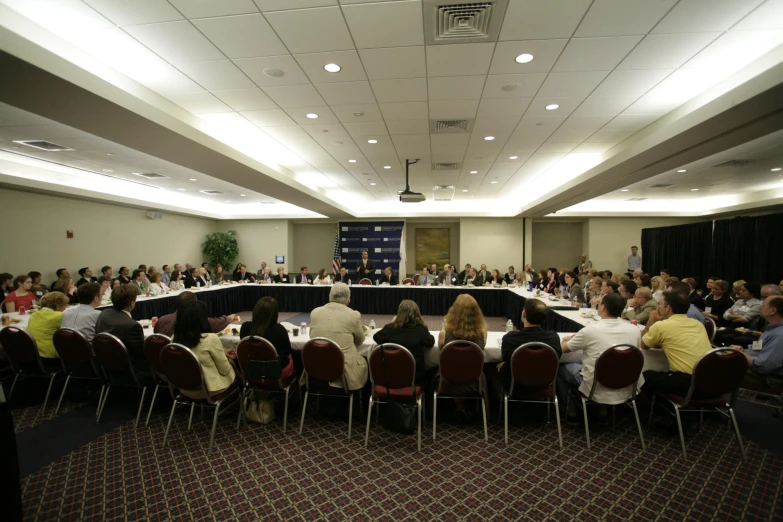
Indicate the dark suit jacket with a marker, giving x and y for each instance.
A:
(187, 278)
(339, 278)
(298, 278)
(247, 277)
(201, 280)
(360, 269)
(514, 339)
(718, 307)
(124, 280)
(696, 300)
(279, 279)
(478, 280)
(265, 277)
(463, 277)
(455, 281)
(127, 330)
(510, 278)
(83, 280)
(392, 279)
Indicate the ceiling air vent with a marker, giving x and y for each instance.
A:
(451, 126)
(448, 22)
(636, 199)
(210, 192)
(662, 185)
(734, 163)
(42, 145)
(150, 175)
(443, 192)
(445, 166)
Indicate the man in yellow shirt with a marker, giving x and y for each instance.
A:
(683, 341)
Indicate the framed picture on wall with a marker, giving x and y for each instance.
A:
(432, 246)
(279, 259)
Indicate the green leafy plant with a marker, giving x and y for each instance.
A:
(221, 248)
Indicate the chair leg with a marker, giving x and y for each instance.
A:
(62, 394)
(13, 384)
(141, 406)
(587, 427)
(304, 408)
(504, 411)
(168, 425)
(652, 407)
(285, 408)
(100, 400)
(701, 418)
(638, 423)
(48, 392)
(192, 409)
(103, 405)
(369, 418)
(350, 415)
(737, 432)
(679, 427)
(434, 413)
(242, 402)
(419, 437)
(484, 414)
(152, 404)
(557, 418)
(214, 427)
(614, 410)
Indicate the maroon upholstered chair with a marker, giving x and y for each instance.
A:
(323, 363)
(461, 362)
(183, 370)
(112, 355)
(365, 281)
(533, 374)
(408, 281)
(716, 373)
(618, 367)
(261, 371)
(400, 386)
(78, 361)
(22, 352)
(153, 345)
(711, 328)
(415, 279)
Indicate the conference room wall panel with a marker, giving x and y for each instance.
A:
(36, 228)
(556, 244)
(313, 246)
(261, 240)
(496, 242)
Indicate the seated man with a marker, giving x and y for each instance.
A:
(388, 277)
(744, 313)
(533, 316)
(465, 274)
(594, 340)
(84, 317)
(434, 270)
(684, 291)
(241, 275)
(448, 277)
(266, 276)
(475, 278)
(262, 270)
(638, 309)
(693, 296)
(748, 336)
(343, 276)
(342, 325)
(627, 289)
(140, 281)
(766, 366)
(165, 324)
(425, 279)
(682, 339)
(304, 278)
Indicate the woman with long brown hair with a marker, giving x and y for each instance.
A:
(408, 329)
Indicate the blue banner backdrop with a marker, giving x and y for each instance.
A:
(381, 240)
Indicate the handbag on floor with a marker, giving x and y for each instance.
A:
(399, 417)
(260, 412)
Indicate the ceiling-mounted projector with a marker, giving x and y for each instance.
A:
(407, 195)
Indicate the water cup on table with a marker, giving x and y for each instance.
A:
(296, 332)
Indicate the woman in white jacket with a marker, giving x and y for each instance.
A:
(322, 278)
(156, 285)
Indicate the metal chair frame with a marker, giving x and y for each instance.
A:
(108, 374)
(365, 281)
(710, 333)
(156, 375)
(68, 371)
(18, 370)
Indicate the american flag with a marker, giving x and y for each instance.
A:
(336, 261)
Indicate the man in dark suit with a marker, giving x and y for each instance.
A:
(388, 277)
(484, 273)
(244, 275)
(465, 274)
(87, 277)
(343, 276)
(533, 316)
(365, 268)
(434, 272)
(694, 297)
(304, 278)
(187, 276)
(474, 278)
(61, 272)
(118, 322)
(448, 277)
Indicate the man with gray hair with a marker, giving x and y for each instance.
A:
(342, 325)
(640, 306)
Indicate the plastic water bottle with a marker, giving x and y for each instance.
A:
(372, 324)
(509, 326)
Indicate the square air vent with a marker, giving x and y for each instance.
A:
(210, 192)
(150, 175)
(42, 145)
(448, 22)
(445, 166)
(443, 192)
(451, 126)
(662, 185)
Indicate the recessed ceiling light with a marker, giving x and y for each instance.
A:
(682, 170)
(181, 190)
(694, 190)
(358, 114)
(351, 161)
(243, 195)
(110, 154)
(513, 157)
(372, 184)
(464, 190)
(624, 190)
(192, 179)
(524, 58)
(228, 201)
(387, 167)
(776, 169)
(474, 172)
(493, 182)
(311, 115)
(552, 107)
(107, 170)
(489, 138)
(372, 141)
(332, 67)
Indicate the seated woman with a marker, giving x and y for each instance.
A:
(543, 280)
(657, 285)
(495, 279)
(37, 288)
(322, 278)
(21, 296)
(281, 277)
(44, 323)
(408, 329)
(643, 280)
(6, 283)
(156, 284)
(218, 277)
(67, 287)
(716, 304)
(192, 330)
(175, 282)
(464, 322)
(573, 292)
(264, 324)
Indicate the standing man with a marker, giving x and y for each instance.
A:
(634, 260)
(365, 268)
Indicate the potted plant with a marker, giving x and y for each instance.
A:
(221, 248)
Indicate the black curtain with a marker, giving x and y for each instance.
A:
(749, 248)
(684, 249)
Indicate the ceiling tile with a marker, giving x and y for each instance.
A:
(392, 91)
(199, 102)
(545, 54)
(312, 30)
(325, 132)
(571, 84)
(622, 17)
(207, 8)
(346, 93)
(629, 122)
(513, 85)
(767, 16)
(630, 83)
(176, 42)
(254, 68)
(358, 112)
(246, 99)
(408, 127)
(217, 76)
(666, 51)
(579, 128)
(395, 62)
(612, 137)
(604, 106)
(594, 148)
(459, 59)
(595, 54)
(245, 36)
(365, 128)
(404, 111)
(510, 108)
(295, 96)
(389, 24)
(299, 114)
(537, 20)
(282, 5)
(696, 16)
(122, 12)
(453, 110)
(455, 87)
(350, 66)
(269, 118)
(283, 133)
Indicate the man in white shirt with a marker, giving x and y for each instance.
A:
(593, 340)
(83, 317)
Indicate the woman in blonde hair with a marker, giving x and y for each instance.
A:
(658, 285)
(408, 329)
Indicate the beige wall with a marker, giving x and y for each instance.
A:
(410, 241)
(261, 240)
(497, 242)
(313, 246)
(556, 244)
(36, 225)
